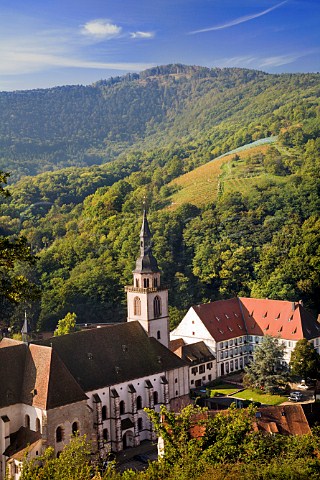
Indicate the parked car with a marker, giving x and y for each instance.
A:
(141, 458)
(295, 396)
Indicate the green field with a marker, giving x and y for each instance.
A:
(263, 398)
(223, 389)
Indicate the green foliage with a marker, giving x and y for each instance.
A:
(15, 286)
(73, 463)
(305, 361)
(265, 371)
(66, 325)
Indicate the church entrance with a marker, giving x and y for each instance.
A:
(127, 440)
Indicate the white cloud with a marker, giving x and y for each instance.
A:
(279, 60)
(100, 29)
(239, 20)
(142, 35)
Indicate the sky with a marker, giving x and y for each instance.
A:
(47, 43)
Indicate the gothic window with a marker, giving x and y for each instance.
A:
(137, 282)
(155, 398)
(75, 428)
(104, 412)
(158, 335)
(105, 434)
(139, 403)
(140, 425)
(157, 307)
(146, 282)
(59, 434)
(38, 425)
(122, 407)
(27, 421)
(137, 306)
(155, 282)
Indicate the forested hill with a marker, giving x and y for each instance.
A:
(243, 224)
(46, 129)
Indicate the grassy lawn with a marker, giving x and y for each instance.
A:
(261, 397)
(223, 389)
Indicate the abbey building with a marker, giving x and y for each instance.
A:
(96, 382)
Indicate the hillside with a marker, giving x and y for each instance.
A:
(246, 223)
(42, 130)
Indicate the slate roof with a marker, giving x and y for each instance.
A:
(12, 361)
(226, 319)
(21, 442)
(194, 353)
(112, 355)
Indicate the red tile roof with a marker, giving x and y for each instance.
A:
(223, 319)
(283, 419)
(226, 319)
(289, 320)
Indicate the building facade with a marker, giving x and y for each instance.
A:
(232, 329)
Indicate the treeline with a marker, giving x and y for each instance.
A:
(197, 107)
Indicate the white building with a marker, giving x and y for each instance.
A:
(233, 328)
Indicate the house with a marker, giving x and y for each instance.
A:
(233, 328)
(202, 363)
(96, 382)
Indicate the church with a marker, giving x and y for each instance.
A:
(95, 382)
(98, 381)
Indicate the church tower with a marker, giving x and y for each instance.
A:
(147, 300)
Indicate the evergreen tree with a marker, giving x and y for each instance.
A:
(266, 371)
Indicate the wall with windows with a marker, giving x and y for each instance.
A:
(231, 355)
(63, 422)
(202, 373)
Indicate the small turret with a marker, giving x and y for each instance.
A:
(25, 329)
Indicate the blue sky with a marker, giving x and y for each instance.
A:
(44, 43)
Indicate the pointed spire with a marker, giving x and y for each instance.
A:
(146, 263)
(25, 329)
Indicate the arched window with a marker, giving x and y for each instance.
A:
(146, 282)
(104, 412)
(59, 434)
(137, 282)
(38, 425)
(75, 428)
(105, 434)
(122, 407)
(27, 421)
(137, 306)
(158, 335)
(157, 306)
(155, 282)
(139, 403)
(155, 398)
(140, 424)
